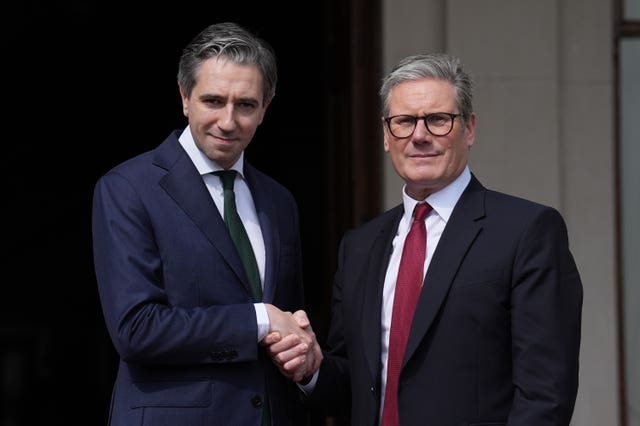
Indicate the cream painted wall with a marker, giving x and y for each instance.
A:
(544, 101)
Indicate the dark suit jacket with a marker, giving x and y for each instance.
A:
(496, 333)
(176, 300)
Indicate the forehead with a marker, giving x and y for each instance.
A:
(220, 76)
(422, 96)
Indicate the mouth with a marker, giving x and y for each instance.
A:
(420, 155)
(222, 139)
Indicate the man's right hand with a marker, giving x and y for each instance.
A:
(292, 344)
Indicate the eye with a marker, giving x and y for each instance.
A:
(213, 102)
(437, 119)
(404, 120)
(247, 106)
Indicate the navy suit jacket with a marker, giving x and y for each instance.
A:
(176, 300)
(496, 333)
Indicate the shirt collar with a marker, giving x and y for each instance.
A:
(442, 201)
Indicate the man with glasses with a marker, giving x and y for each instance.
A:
(491, 333)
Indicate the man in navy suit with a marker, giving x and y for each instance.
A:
(175, 295)
(495, 336)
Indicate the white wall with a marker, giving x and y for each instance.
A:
(544, 101)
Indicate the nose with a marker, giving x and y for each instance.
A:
(421, 134)
(226, 118)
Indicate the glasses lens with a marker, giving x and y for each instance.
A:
(439, 124)
(402, 126)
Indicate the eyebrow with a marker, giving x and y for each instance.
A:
(250, 100)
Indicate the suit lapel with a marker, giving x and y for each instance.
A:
(459, 234)
(184, 184)
(373, 281)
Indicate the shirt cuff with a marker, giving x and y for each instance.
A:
(262, 319)
(308, 388)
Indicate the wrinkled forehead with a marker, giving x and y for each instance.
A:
(422, 96)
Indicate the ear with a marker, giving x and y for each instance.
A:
(264, 109)
(470, 130)
(185, 101)
(385, 134)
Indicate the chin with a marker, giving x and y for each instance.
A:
(425, 175)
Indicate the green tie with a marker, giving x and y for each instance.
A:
(239, 234)
(243, 245)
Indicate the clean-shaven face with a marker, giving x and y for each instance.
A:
(224, 109)
(428, 163)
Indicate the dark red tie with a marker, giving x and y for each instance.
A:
(408, 287)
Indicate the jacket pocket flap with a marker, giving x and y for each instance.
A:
(171, 394)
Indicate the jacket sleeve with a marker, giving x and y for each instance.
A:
(546, 306)
(145, 323)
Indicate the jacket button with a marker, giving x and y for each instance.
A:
(256, 401)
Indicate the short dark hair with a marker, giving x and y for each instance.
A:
(234, 43)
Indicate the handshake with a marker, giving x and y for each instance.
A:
(292, 344)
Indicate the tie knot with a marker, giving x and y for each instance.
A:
(227, 177)
(421, 211)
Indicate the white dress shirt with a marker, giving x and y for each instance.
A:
(442, 203)
(244, 203)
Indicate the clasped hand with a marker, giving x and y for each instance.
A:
(292, 344)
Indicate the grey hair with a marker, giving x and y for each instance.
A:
(438, 66)
(234, 43)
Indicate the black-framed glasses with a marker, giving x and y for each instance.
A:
(437, 123)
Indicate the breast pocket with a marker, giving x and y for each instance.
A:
(478, 277)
